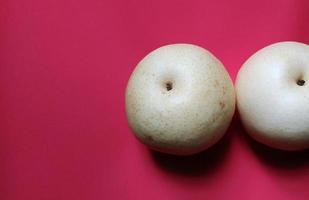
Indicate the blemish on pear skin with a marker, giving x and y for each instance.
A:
(224, 90)
(149, 138)
(222, 105)
(216, 82)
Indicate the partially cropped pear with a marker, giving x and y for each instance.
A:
(273, 95)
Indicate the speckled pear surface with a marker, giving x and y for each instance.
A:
(179, 99)
(273, 95)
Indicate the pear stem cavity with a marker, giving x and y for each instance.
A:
(301, 82)
(169, 86)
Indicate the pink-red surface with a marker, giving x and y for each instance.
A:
(64, 65)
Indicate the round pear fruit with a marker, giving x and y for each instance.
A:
(179, 99)
(272, 90)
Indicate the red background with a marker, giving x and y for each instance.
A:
(64, 65)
